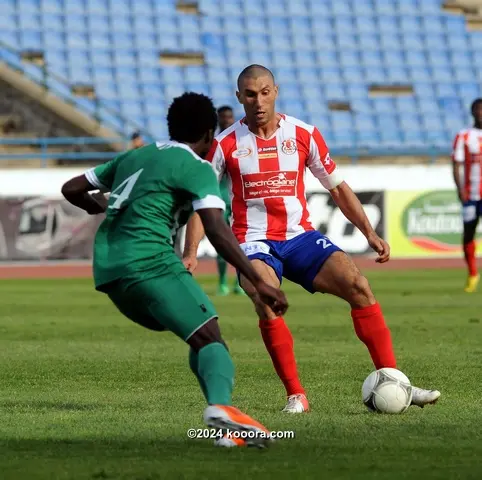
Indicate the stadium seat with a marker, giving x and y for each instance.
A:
(319, 50)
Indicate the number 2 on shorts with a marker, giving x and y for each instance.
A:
(324, 241)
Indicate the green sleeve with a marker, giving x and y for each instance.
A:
(197, 177)
(103, 175)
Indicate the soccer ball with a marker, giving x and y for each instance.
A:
(387, 390)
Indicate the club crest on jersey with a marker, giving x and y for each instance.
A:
(288, 147)
(241, 152)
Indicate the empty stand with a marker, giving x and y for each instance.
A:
(321, 51)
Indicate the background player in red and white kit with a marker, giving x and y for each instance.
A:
(265, 156)
(467, 156)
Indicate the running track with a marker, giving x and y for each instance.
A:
(84, 269)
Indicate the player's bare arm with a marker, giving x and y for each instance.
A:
(458, 182)
(225, 243)
(77, 192)
(194, 235)
(352, 208)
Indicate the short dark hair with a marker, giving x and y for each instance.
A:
(135, 135)
(474, 105)
(191, 116)
(224, 108)
(254, 71)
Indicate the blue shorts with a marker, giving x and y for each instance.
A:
(298, 260)
(472, 210)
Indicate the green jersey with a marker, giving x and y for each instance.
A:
(154, 190)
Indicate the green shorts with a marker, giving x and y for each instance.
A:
(173, 302)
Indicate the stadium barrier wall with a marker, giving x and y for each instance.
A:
(415, 208)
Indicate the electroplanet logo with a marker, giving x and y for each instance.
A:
(269, 184)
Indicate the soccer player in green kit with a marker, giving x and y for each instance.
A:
(153, 191)
(225, 120)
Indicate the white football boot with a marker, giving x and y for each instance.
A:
(422, 397)
(297, 404)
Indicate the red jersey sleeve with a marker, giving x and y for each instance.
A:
(320, 163)
(216, 158)
(458, 148)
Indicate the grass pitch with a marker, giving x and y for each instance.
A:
(86, 394)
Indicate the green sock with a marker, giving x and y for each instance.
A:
(216, 369)
(194, 365)
(222, 268)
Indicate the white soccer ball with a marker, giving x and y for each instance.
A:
(387, 390)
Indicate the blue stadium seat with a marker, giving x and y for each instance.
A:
(97, 7)
(369, 41)
(99, 40)
(153, 92)
(335, 92)
(166, 25)
(390, 40)
(231, 7)
(308, 75)
(331, 75)
(387, 23)
(286, 74)
(318, 49)
(371, 58)
(234, 25)
(385, 7)
(211, 25)
(393, 58)
(362, 105)
(375, 75)
(354, 74)
(255, 25)
(383, 105)
(52, 6)
(415, 58)
(98, 23)
(413, 41)
(435, 41)
(419, 74)
(142, 25)
(409, 24)
(424, 90)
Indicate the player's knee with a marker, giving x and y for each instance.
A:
(207, 334)
(361, 294)
(262, 310)
(469, 233)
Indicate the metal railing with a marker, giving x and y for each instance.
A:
(44, 153)
(100, 113)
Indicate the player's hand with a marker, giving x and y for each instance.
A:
(380, 246)
(190, 262)
(463, 197)
(273, 297)
(101, 203)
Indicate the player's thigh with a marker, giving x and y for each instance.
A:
(340, 276)
(304, 255)
(129, 305)
(471, 212)
(269, 268)
(176, 302)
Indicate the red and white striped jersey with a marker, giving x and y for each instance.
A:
(467, 150)
(266, 177)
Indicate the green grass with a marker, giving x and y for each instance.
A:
(86, 394)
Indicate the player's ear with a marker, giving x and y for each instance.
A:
(238, 96)
(276, 90)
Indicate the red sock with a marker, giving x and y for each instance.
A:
(469, 251)
(372, 330)
(279, 343)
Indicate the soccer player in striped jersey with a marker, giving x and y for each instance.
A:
(467, 156)
(265, 156)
